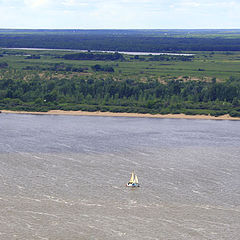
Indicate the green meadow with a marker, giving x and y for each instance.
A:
(203, 67)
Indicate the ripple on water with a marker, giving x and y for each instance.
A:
(63, 177)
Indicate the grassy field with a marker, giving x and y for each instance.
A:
(204, 66)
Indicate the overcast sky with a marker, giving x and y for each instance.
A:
(119, 14)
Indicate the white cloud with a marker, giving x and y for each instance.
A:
(69, 2)
(205, 4)
(74, 3)
(191, 4)
(36, 3)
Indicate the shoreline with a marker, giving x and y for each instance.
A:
(112, 114)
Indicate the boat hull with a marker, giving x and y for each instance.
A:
(132, 185)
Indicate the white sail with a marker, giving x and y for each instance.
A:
(136, 179)
(132, 178)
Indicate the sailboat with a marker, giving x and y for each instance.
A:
(133, 181)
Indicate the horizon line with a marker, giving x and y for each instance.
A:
(119, 28)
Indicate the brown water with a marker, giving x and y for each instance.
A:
(63, 177)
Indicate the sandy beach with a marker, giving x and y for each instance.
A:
(111, 114)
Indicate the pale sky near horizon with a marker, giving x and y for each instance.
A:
(120, 14)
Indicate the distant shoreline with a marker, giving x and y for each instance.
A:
(112, 114)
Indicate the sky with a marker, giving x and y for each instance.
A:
(120, 14)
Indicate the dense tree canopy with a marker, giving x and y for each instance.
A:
(190, 97)
(117, 42)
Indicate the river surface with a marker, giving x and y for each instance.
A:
(127, 53)
(63, 178)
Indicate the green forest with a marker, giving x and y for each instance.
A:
(124, 40)
(175, 96)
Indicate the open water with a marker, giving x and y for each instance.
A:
(63, 178)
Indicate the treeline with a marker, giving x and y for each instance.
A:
(94, 56)
(163, 57)
(134, 42)
(190, 97)
(63, 67)
(57, 67)
(171, 58)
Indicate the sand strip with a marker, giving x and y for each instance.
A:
(111, 114)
